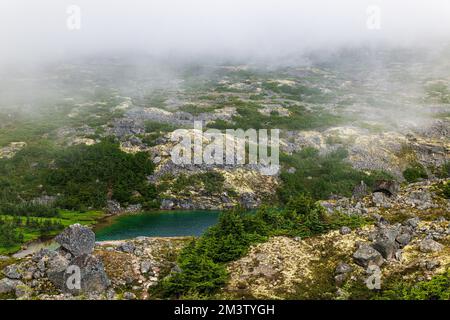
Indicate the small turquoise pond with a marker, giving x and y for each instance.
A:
(156, 224)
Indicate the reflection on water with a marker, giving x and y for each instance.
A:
(156, 224)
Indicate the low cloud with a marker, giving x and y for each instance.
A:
(261, 28)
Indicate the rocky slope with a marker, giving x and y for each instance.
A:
(110, 270)
(408, 239)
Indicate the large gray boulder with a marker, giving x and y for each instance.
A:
(380, 199)
(127, 247)
(12, 272)
(429, 245)
(84, 274)
(412, 222)
(387, 248)
(385, 241)
(56, 269)
(366, 256)
(93, 276)
(77, 239)
(403, 239)
(388, 187)
(8, 285)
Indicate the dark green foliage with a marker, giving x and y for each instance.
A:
(300, 118)
(295, 92)
(87, 175)
(22, 175)
(28, 209)
(415, 173)
(155, 130)
(196, 110)
(156, 127)
(211, 181)
(322, 176)
(9, 237)
(12, 230)
(227, 240)
(445, 190)
(236, 231)
(444, 171)
(200, 274)
(438, 288)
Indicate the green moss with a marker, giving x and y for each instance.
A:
(438, 288)
(415, 173)
(322, 176)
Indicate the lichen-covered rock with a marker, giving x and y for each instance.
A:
(129, 296)
(389, 187)
(127, 247)
(366, 256)
(77, 240)
(23, 291)
(8, 285)
(343, 268)
(429, 245)
(412, 222)
(56, 267)
(345, 230)
(385, 241)
(380, 200)
(403, 239)
(93, 278)
(12, 272)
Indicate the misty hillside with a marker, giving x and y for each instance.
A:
(88, 127)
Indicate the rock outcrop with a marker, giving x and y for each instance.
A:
(77, 240)
(414, 247)
(71, 269)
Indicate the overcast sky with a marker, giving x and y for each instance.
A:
(38, 29)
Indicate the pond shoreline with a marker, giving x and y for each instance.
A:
(158, 223)
(103, 222)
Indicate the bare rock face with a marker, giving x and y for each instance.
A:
(77, 240)
(388, 187)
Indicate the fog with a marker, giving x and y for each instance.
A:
(38, 31)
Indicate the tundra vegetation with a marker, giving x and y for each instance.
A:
(66, 154)
(203, 262)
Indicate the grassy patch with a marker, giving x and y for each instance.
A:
(18, 230)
